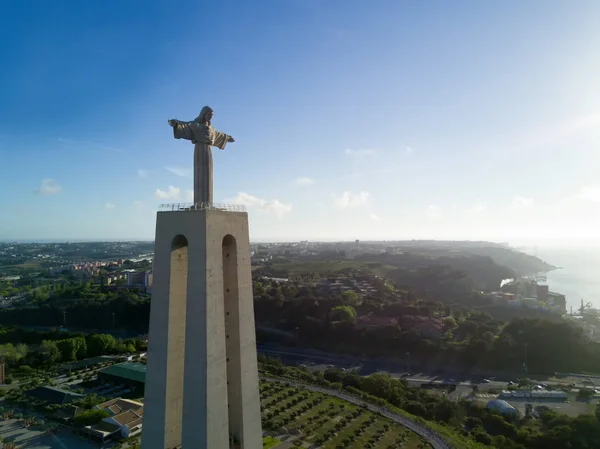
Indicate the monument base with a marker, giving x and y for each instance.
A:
(202, 378)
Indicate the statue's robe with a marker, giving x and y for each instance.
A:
(203, 136)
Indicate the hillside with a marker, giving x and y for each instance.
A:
(408, 267)
(522, 264)
(449, 272)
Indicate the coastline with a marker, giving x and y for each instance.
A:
(577, 277)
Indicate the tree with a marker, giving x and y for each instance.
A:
(343, 313)
(90, 417)
(12, 354)
(449, 323)
(49, 349)
(80, 347)
(351, 298)
(101, 344)
(40, 294)
(72, 349)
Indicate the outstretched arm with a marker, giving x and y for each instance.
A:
(181, 130)
(220, 139)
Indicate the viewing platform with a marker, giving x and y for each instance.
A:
(201, 206)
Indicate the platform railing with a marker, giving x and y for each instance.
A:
(201, 206)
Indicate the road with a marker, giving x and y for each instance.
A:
(320, 361)
(434, 439)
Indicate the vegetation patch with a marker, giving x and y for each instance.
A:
(308, 418)
(311, 267)
(269, 442)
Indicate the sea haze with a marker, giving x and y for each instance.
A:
(579, 277)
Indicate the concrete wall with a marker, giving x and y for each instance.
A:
(166, 345)
(242, 368)
(218, 386)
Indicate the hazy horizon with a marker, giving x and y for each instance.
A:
(526, 246)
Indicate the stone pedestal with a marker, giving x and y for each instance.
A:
(202, 378)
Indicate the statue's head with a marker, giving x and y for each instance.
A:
(206, 115)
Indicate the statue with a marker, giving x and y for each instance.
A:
(203, 135)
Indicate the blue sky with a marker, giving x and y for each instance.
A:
(352, 119)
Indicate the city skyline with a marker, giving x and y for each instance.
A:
(430, 120)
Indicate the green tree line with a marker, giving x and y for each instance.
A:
(48, 352)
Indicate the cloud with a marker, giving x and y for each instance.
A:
(109, 206)
(590, 193)
(348, 200)
(477, 208)
(374, 217)
(433, 211)
(179, 171)
(303, 181)
(408, 150)
(359, 152)
(49, 187)
(172, 193)
(142, 173)
(273, 206)
(521, 201)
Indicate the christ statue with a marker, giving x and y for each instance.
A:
(203, 135)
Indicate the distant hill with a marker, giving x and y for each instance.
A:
(439, 270)
(522, 264)
(417, 264)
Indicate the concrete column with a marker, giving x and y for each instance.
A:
(220, 377)
(242, 368)
(163, 400)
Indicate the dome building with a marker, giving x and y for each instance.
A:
(502, 407)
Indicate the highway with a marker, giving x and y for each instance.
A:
(320, 361)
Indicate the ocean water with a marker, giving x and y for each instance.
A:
(579, 277)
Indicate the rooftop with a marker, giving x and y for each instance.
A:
(53, 395)
(87, 362)
(130, 418)
(127, 370)
(103, 428)
(118, 405)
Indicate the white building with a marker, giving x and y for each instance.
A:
(125, 420)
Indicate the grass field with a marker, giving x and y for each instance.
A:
(29, 265)
(306, 418)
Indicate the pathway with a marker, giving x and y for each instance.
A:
(433, 438)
